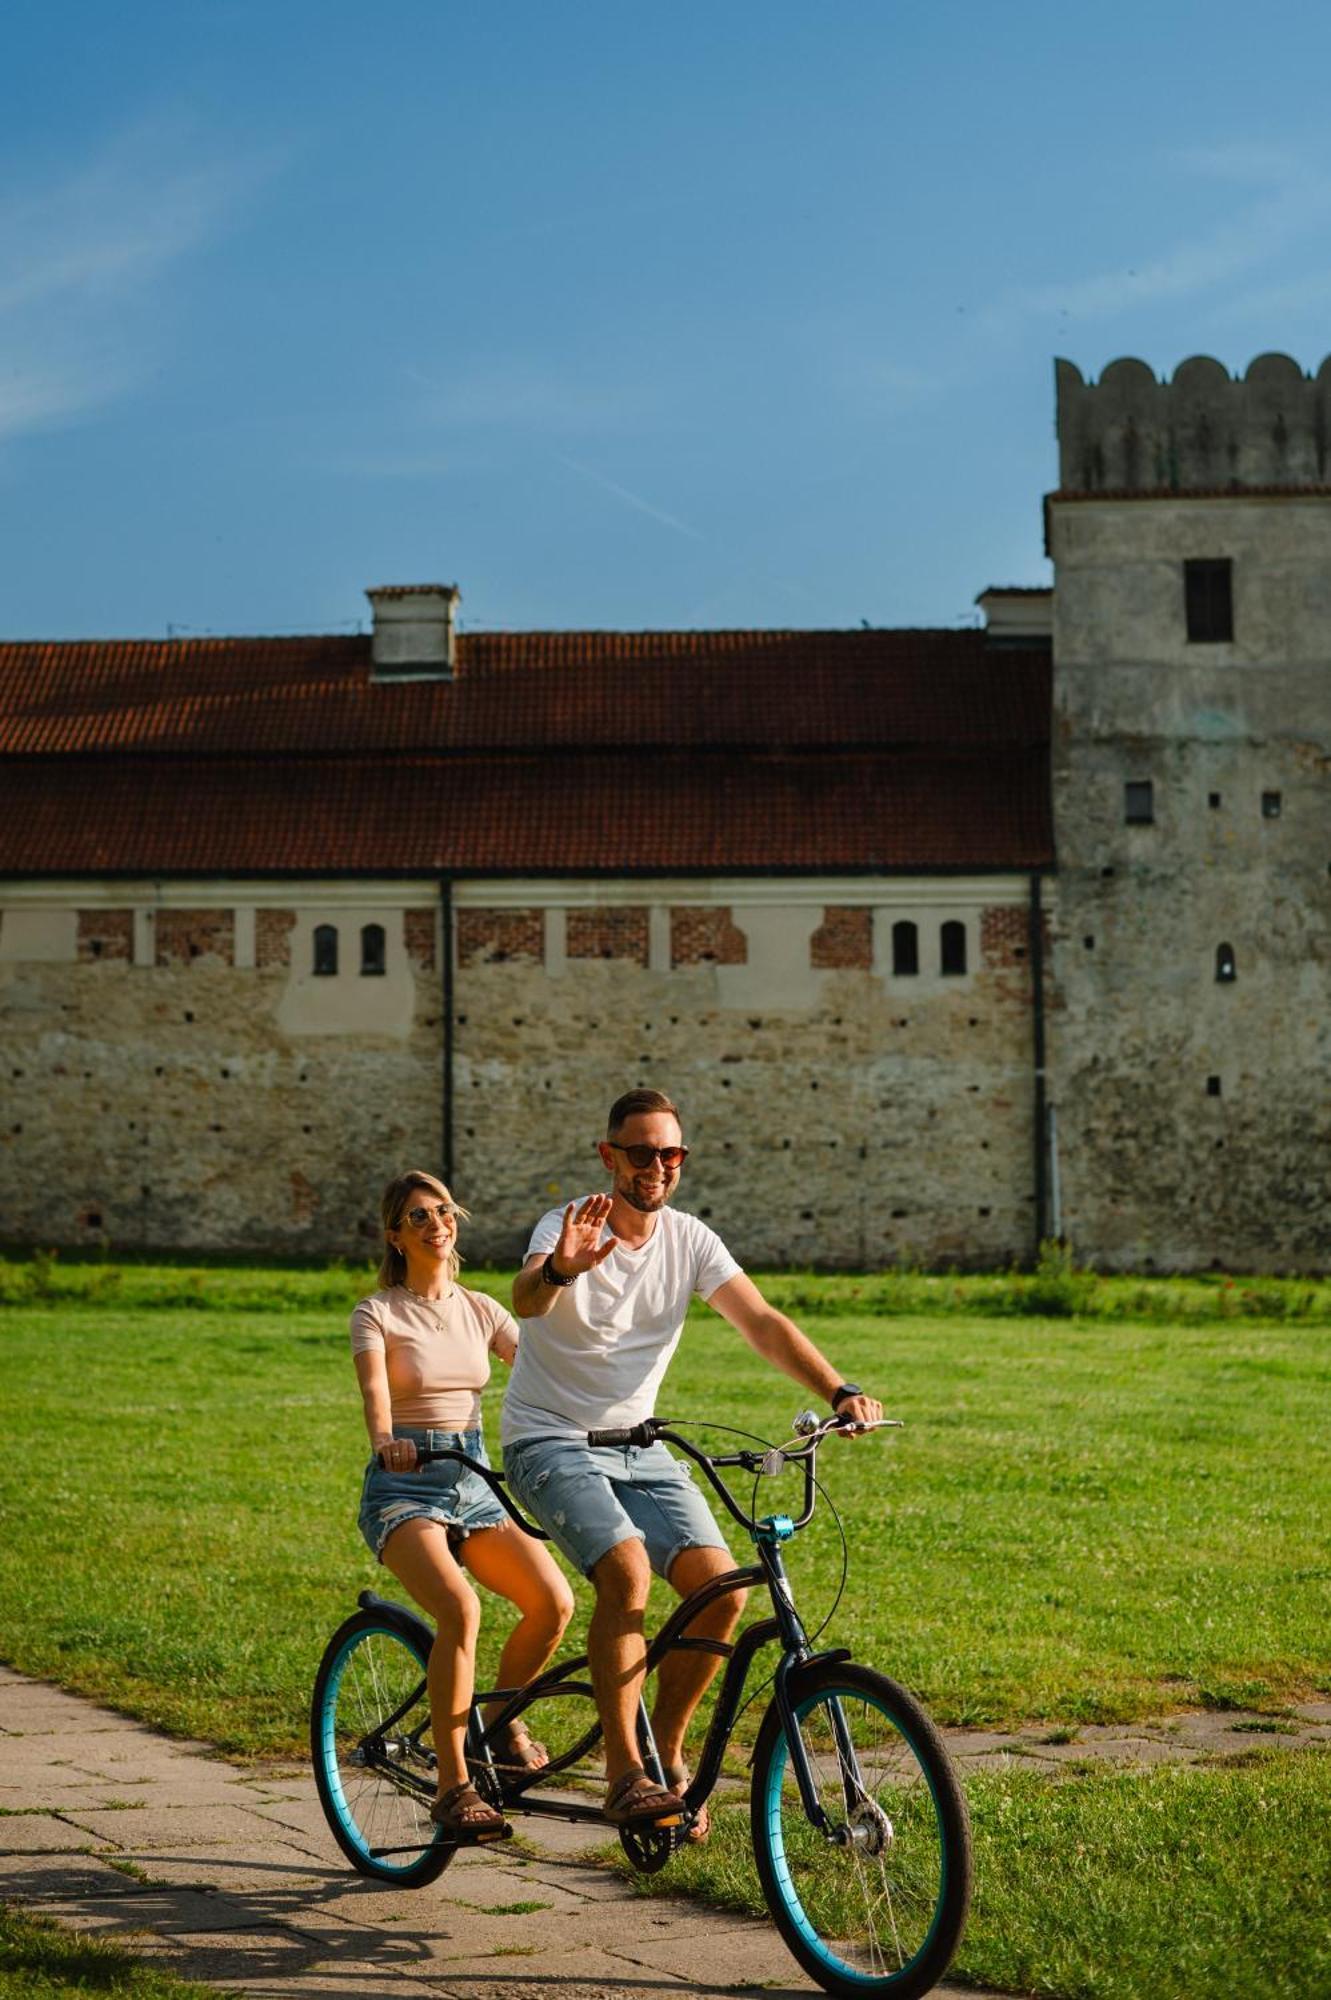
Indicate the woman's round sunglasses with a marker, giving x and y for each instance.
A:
(643, 1156)
(418, 1217)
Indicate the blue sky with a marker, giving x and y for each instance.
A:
(719, 314)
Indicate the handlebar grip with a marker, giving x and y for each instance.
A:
(639, 1434)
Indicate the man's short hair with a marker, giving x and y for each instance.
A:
(632, 1103)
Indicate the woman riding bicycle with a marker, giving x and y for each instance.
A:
(422, 1346)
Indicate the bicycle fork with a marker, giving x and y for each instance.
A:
(865, 1824)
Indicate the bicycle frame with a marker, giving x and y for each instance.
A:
(521, 1790)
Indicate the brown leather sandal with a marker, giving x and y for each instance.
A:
(516, 1749)
(637, 1800)
(677, 1777)
(464, 1817)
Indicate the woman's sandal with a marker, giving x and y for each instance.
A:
(464, 1816)
(677, 1777)
(637, 1800)
(515, 1750)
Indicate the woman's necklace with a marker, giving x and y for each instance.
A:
(435, 1307)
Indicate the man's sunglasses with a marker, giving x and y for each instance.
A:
(418, 1217)
(643, 1156)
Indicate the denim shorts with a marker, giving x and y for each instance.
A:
(447, 1492)
(589, 1499)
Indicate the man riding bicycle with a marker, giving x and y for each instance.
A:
(603, 1295)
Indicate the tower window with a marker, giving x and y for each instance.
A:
(1139, 802)
(1208, 599)
(372, 950)
(952, 949)
(1225, 968)
(325, 950)
(1213, 800)
(1213, 1086)
(905, 950)
(1271, 805)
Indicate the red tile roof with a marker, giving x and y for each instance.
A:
(769, 751)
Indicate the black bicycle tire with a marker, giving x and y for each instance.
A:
(930, 1962)
(434, 1858)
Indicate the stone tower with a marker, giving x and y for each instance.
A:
(1190, 1030)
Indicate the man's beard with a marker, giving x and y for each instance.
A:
(645, 1204)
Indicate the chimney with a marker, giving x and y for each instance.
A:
(1014, 616)
(413, 636)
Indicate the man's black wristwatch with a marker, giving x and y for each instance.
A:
(840, 1395)
(550, 1276)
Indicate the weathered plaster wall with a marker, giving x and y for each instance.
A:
(836, 1115)
(1156, 1168)
(186, 1101)
(176, 1075)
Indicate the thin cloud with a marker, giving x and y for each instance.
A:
(634, 500)
(83, 263)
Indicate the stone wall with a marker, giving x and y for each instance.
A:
(1193, 1110)
(836, 1115)
(186, 1102)
(179, 1076)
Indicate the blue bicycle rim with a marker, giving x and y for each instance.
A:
(328, 1752)
(851, 1974)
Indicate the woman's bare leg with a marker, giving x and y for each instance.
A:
(514, 1566)
(419, 1556)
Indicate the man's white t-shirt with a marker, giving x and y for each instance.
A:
(596, 1359)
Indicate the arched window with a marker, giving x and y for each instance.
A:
(905, 949)
(952, 949)
(1225, 968)
(325, 950)
(372, 950)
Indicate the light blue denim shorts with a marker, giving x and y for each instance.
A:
(588, 1499)
(447, 1492)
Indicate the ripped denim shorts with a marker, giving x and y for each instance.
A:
(590, 1497)
(447, 1492)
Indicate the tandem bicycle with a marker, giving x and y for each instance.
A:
(858, 1822)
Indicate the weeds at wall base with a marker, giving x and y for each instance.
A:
(1057, 1288)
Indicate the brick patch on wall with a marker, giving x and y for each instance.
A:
(1005, 937)
(418, 931)
(496, 937)
(272, 936)
(608, 934)
(706, 937)
(843, 939)
(183, 935)
(105, 934)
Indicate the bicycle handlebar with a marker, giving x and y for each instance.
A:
(802, 1450)
(772, 1459)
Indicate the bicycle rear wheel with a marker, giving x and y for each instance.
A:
(373, 1763)
(879, 1908)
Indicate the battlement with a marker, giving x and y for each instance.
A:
(1206, 431)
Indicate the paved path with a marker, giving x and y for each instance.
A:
(228, 1874)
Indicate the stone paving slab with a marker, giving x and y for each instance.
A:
(41, 1833)
(152, 1826)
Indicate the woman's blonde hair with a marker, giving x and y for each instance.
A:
(396, 1202)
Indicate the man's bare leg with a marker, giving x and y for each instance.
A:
(617, 1650)
(683, 1678)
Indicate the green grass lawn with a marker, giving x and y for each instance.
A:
(42, 1962)
(1086, 1518)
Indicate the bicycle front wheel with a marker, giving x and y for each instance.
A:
(374, 1765)
(874, 1902)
